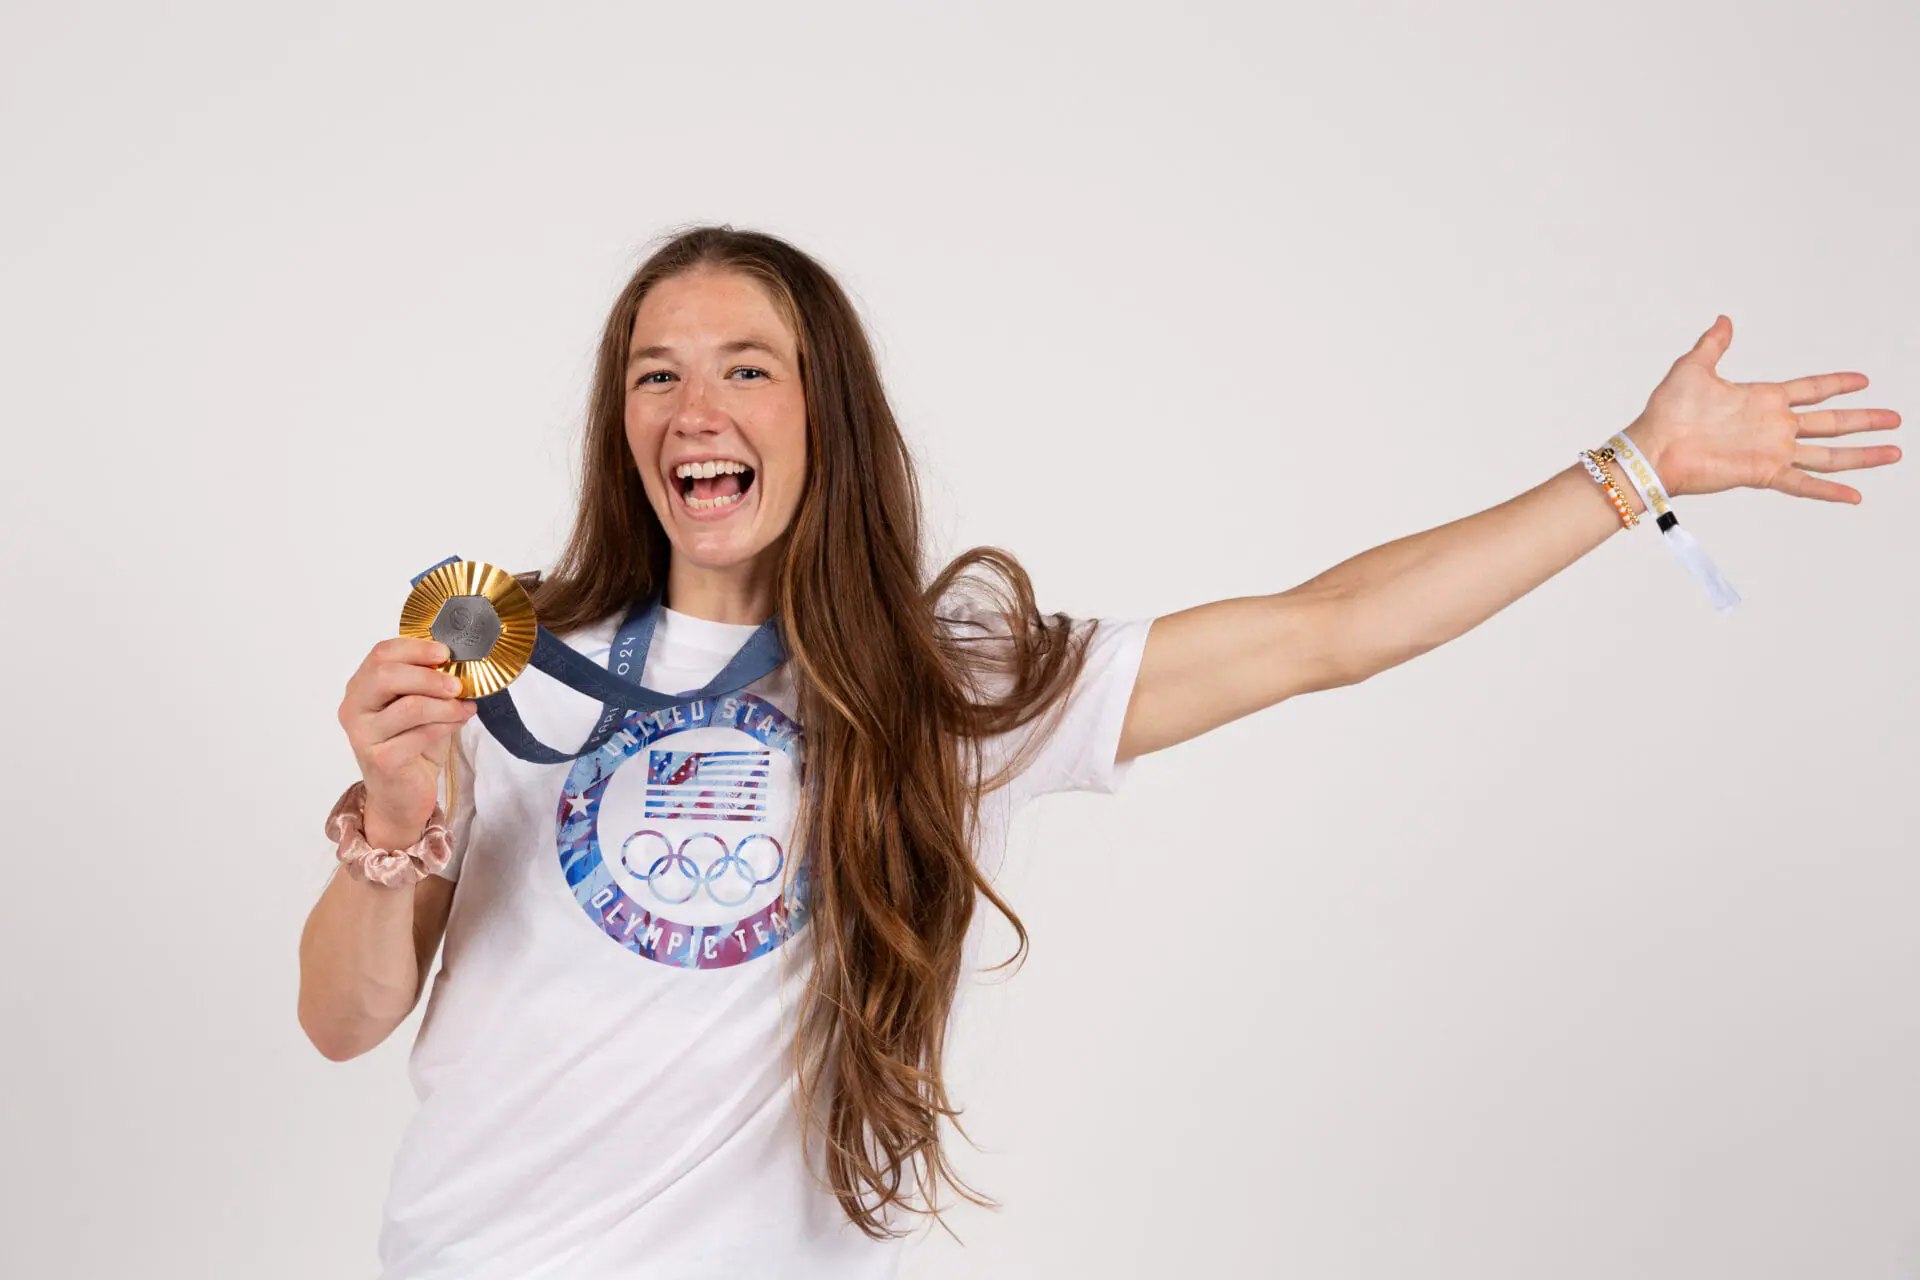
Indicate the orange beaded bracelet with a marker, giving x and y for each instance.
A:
(1599, 466)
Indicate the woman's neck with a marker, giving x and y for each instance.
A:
(742, 594)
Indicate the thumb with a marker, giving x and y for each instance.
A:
(1712, 345)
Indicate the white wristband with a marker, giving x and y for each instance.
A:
(1646, 483)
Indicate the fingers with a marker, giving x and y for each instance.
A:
(1821, 386)
(1798, 484)
(421, 653)
(426, 653)
(1712, 345)
(1816, 457)
(1844, 422)
(397, 688)
(395, 667)
(416, 741)
(411, 712)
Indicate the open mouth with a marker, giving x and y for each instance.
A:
(714, 485)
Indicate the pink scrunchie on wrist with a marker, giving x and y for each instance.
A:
(392, 867)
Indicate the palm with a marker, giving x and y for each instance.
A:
(1705, 434)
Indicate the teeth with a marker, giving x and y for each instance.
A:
(708, 470)
(709, 504)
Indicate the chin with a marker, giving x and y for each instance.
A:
(717, 550)
(702, 554)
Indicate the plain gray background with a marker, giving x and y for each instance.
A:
(1582, 947)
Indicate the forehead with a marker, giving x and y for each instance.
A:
(706, 307)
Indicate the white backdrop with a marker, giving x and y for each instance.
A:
(1582, 947)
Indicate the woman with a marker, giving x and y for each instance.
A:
(708, 1035)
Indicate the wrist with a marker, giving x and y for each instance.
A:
(1651, 446)
(398, 854)
(1641, 458)
(384, 833)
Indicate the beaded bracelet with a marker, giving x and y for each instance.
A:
(1597, 462)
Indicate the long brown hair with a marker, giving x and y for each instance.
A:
(897, 694)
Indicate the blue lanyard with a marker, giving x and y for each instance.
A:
(618, 688)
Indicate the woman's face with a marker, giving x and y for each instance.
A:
(716, 417)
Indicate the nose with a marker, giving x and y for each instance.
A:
(696, 413)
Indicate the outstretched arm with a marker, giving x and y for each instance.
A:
(1208, 665)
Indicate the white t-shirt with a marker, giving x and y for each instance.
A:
(603, 1067)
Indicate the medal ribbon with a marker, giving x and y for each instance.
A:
(617, 688)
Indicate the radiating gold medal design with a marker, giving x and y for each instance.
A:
(482, 614)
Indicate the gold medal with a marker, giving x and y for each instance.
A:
(482, 614)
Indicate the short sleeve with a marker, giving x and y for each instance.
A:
(460, 819)
(1078, 755)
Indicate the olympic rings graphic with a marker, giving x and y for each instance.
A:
(673, 870)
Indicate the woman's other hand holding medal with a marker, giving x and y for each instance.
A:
(401, 712)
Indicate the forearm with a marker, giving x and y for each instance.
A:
(359, 970)
(1406, 597)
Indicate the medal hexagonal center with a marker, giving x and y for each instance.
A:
(468, 626)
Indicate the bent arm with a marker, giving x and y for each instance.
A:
(364, 956)
(1212, 664)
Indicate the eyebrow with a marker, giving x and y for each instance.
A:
(726, 349)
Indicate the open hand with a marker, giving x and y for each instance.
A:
(1704, 434)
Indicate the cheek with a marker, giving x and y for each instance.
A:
(793, 449)
(643, 439)
(793, 459)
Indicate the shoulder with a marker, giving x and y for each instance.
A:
(964, 616)
(983, 640)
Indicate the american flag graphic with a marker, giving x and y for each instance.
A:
(719, 786)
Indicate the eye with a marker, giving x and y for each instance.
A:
(642, 380)
(750, 369)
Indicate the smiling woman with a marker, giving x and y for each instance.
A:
(692, 1013)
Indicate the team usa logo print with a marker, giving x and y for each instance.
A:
(679, 856)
